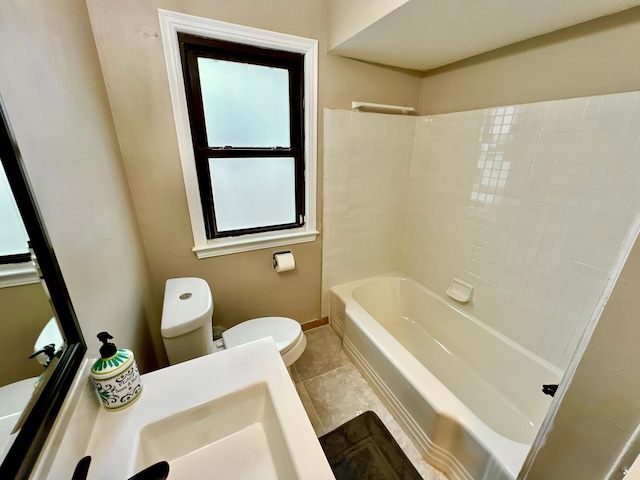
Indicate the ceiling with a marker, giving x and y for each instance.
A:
(425, 34)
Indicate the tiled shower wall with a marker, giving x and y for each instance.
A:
(366, 173)
(529, 203)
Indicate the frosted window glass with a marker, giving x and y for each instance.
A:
(253, 192)
(244, 105)
(13, 236)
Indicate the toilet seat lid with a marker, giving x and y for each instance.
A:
(284, 331)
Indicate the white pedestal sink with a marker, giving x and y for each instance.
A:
(233, 415)
(237, 436)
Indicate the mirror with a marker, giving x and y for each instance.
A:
(33, 296)
(29, 324)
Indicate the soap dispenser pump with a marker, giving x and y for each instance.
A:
(115, 375)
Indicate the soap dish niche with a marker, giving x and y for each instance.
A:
(460, 290)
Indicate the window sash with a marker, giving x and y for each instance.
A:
(14, 241)
(15, 258)
(206, 189)
(192, 47)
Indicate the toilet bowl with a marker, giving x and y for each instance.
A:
(187, 329)
(14, 396)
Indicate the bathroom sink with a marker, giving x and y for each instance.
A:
(234, 414)
(236, 436)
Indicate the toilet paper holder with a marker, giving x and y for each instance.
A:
(275, 261)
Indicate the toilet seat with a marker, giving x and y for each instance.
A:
(286, 332)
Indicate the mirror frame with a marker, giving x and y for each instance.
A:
(23, 454)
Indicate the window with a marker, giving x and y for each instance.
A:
(14, 246)
(16, 267)
(245, 108)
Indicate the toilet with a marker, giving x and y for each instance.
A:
(49, 335)
(187, 329)
(14, 396)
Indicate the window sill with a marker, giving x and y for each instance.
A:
(17, 274)
(247, 243)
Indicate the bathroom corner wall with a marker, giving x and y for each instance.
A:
(53, 90)
(347, 19)
(592, 58)
(529, 203)
(366, 168)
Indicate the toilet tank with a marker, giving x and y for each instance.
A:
(186, 319)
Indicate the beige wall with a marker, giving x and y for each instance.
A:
(25, 311)
(52, 86)
(127, 35)
(347, 19)
(600, 410)
(593, 58)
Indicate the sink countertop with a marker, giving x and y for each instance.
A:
(171, 390)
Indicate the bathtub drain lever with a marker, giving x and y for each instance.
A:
(549, 389)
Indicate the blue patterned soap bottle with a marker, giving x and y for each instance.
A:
(116, 375)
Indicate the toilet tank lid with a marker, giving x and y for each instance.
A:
(187, 305)
(49, 334)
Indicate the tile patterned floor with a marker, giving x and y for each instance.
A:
(333, 391)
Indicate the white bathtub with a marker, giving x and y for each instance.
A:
(470, 397)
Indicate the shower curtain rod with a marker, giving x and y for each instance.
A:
(381, 108)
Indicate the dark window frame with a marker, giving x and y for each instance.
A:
(191, 48)
(15, 258)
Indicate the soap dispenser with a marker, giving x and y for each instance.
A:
(115, 375)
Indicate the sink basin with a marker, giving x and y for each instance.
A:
(234, 414)
(236, 436)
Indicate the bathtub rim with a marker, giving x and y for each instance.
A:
(509, 453)
(347, 288)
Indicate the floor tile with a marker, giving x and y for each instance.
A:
(333, 391)
(311, 412)
(427, 471)
(323, 353)
(342, 394)
(295, 376)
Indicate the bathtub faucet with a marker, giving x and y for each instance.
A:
(550, 389)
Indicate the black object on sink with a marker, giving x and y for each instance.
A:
(157, 471)
(82, 468)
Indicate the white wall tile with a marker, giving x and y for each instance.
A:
(366, 171)
(529, 203)
(554, 188)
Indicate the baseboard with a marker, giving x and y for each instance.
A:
(320, 322)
